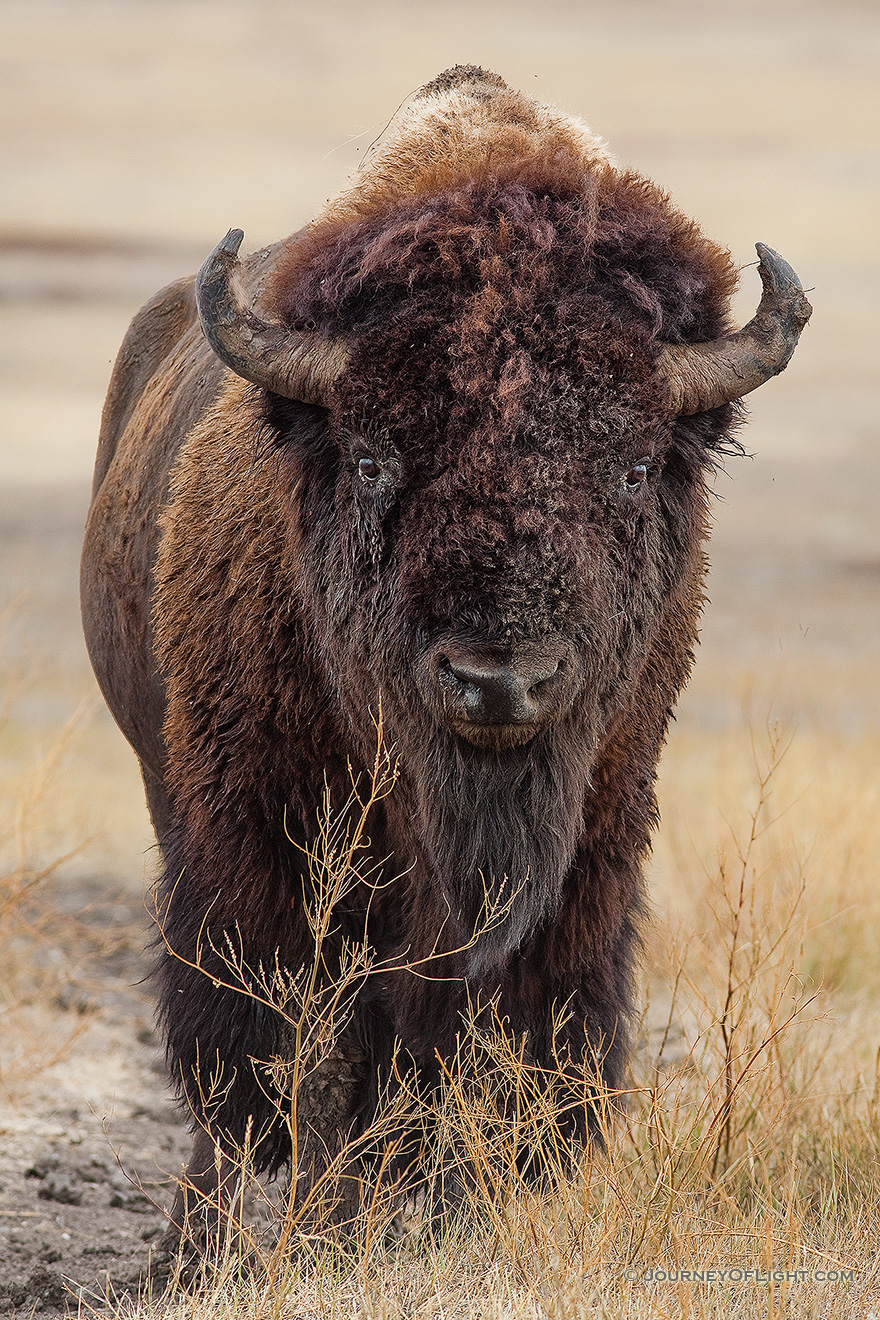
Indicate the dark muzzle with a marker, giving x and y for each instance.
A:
(484, 692)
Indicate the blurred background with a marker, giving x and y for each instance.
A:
(134, 133)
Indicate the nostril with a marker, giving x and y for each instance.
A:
(449, 677)
(559, 670)
(449, 674)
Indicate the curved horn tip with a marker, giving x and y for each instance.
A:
(231, 243)
(218, 265)
(775, 270)
(223, 255)
(783, 291)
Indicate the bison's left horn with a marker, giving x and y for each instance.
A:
(298, 366)
(702, 376)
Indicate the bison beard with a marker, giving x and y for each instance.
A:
(500, 830)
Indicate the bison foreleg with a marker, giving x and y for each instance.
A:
(329, 1173)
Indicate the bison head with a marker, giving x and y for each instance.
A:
(496, 392)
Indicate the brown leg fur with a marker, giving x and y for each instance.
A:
(326, 1105)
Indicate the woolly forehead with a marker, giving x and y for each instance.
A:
(508, 304)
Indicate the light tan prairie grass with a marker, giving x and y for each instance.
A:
(30, 978)
(819, 829)
(750, 1139)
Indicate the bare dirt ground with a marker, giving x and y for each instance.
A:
(132, 135)
(83, 1186)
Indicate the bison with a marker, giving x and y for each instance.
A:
(438, 460)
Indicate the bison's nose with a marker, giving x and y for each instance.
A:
(482, 690)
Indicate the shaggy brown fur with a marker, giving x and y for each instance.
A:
(504, 291)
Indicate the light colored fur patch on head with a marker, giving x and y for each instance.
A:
(466, 124)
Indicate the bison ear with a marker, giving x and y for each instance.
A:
(297, 366)
(703, 376)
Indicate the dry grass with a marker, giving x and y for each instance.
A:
(750, 1143)
(34, 973)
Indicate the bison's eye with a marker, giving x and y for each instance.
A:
(369, 469)
(637, 476)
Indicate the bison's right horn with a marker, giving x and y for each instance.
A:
(297, 366)
(703, 376)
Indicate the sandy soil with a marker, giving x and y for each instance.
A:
(132, 135)
(90, 1151)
